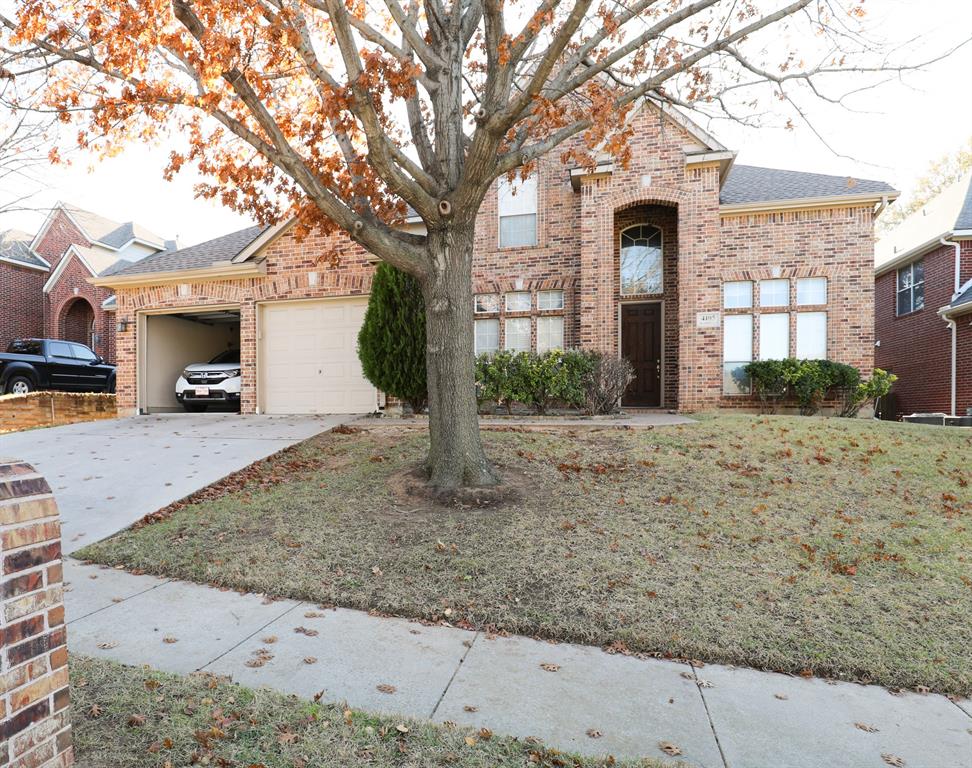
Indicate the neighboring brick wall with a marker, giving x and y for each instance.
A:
(917, 347)
(73, 286)
(48, 409)
(35, 724)
(578, 251)
(21, 308)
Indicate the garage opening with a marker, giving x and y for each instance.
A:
(189, 360)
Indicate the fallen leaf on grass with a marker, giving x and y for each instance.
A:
(669, 749)
(470, 741)
(594, 733)
(401, 728)
(550, 667)
(95, 710)
(865, 727)
(286, 736)
(385, 688)
(136, 721)
(892, 760)
(485, 734)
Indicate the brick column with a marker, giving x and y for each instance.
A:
(598, 325)
(35, 725)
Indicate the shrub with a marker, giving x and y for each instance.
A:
(500, 378)
(391, 342)
(871, 390)
(606, 382)
(809, 381)
(536, 379)
(771, 380)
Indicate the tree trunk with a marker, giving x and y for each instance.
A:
(456, 456)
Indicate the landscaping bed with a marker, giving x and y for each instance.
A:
(127, 717)
(832, 547)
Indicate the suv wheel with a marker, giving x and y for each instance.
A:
(19, 385)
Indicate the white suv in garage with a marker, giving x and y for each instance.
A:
(214, 383)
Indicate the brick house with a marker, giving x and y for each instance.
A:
(45, 277)
(685, 263)
(923, 305)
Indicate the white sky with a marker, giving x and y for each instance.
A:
(893, 134)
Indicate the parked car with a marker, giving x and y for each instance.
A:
(217, 382)
(32, 364)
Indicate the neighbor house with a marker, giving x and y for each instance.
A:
(923, 305)
(684, 263)
(45, 277)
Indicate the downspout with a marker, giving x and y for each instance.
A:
(958, 263)
(953, 324)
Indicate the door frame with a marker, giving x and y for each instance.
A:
(661, 310)
(260, 307)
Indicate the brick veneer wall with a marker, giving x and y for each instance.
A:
(35, 725)
(48, 409)
(21, 310)
(917, 347)
(73, 286)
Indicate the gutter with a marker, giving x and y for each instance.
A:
(806, 203)
(221, 270)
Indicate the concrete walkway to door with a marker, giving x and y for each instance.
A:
(107, 474)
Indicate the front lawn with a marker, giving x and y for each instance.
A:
(127, 717)
(834, 547)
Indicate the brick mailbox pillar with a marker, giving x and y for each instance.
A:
(35, 724)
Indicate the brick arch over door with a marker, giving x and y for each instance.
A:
(76, 321)
(623, 199)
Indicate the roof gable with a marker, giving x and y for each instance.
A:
(15, 249)
(200, 256)
(101, 230)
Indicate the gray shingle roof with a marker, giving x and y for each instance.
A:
(112, 233)
(15, 245)
(196, 256)
(751, 184)
(964, 220)
(965, 297)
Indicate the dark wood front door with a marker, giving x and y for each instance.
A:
(641, 344)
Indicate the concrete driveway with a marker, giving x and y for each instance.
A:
(107, 474)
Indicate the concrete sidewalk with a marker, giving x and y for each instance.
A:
(720, 717)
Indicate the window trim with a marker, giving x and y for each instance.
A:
(910, 289)
(661, 248)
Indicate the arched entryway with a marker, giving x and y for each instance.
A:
(77, 322)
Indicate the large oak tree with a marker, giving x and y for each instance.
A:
(343, 113)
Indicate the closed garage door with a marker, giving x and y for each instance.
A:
(309, 360)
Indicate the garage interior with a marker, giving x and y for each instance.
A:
(170, 342)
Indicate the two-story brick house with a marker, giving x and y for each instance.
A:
(44, 277)
(923, 305)
(686, 264)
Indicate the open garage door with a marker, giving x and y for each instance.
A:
(309, 360)
(169, 343)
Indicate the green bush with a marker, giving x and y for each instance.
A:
(809, 382)
(539, 380)
(391, 342)
(771, 380)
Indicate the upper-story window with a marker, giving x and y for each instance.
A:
(911, 288)
(641, 260)
(517, 201)
(486, 303)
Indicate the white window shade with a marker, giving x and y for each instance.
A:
(518, 301)
(811, 290)
(550, 300)
(517, 203)
(550, 333)
(811, 331)
(487, 336)
(737, 350)
(774, 293)
(737, 295)
(518, 334)
(774, 336)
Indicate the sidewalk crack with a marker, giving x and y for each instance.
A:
(255, 632)
(453, 676)
(708, 714)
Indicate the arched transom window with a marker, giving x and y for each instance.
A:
(641, 260)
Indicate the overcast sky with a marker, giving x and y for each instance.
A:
(891, 133)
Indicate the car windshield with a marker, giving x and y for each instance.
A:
(229, 356)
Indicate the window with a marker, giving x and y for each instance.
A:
(737, 295)
(811, 331)
(518, 334)
(911, 288)
(737, 350)
(811, 290)
(550, 333)
(25, 347)
(517, 202)
(518, 301)
(641, 260)
(486, 302)
(774, 336)
(550, 300)
(774, 293)
(60, 349)
(487, 336)
(81, 352)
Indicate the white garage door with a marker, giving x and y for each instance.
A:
(309, 360)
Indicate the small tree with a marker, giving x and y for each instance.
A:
(391, 342)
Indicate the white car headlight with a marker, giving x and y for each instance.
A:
(186, 374)
(233, 374)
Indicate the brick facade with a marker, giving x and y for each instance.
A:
(49, 409)
(21, 311)
(577, 251)
(917, 347)
(35, 725)
(63, 320)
